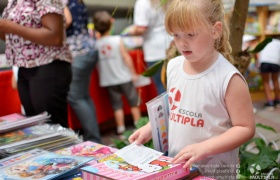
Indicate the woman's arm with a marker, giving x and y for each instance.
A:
(137, 30)
(50, 34)
(2, 36)
(68, 16)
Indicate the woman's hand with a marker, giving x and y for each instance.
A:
(191, 154)
(142, 135)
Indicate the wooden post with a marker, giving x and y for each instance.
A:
(262, 17)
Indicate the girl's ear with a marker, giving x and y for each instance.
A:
(217, 30)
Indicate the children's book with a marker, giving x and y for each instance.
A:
(158, 112)
(98, 152)
(40, 164)
(16, 121)
(116, 168)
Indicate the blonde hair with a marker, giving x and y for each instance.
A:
(188, 15)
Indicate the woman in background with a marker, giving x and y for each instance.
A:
(85, 57)
(35, 42)
(149, 22)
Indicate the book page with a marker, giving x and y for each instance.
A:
(138, 155)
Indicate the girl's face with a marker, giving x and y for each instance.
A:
(194, 46)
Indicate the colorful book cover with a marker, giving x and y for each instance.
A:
(10, 118)
(99, 152)
(42, 166)
(117, 168)
(158, 112)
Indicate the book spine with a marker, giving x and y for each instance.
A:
(170, 174)
(90, 176)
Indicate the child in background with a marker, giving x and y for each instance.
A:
(116, 70)
(269, 61)
(211, 112)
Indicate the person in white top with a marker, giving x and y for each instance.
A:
(211, 112)
(116, 70)
(149, 23)
(269, 61)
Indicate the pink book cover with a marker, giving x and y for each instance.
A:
(88, 148)
(117, 168)
(11, 118)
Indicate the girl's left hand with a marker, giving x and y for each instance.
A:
(191, 154)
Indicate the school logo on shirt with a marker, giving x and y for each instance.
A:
(174, 98)
(180, 115)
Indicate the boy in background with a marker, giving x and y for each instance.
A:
(116, 70)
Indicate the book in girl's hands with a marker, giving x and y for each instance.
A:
(158, 112)
(40, 164)
(16, 121)
(98, 152)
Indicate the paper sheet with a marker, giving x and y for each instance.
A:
(138, 155)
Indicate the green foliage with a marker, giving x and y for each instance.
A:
(261, 45)
(153, 69)
(266, 127)
(119, 143)
(265, 158)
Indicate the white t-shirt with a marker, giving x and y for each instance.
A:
(198, 112)
(156, 39)
(271, 53)
(112, 69)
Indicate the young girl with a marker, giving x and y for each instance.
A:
(211, 112)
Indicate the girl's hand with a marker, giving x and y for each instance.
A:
(142, 135)
(191, 154)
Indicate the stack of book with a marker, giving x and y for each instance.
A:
(15, 121)
(19, 133)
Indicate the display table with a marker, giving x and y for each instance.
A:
(9, 99)
(10, 103)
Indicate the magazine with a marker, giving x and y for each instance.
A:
(17, 121)
(40, 164)
(158, 112)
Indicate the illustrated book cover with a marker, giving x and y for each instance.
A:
(98, 152)
(158, 112)
(40, 164)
